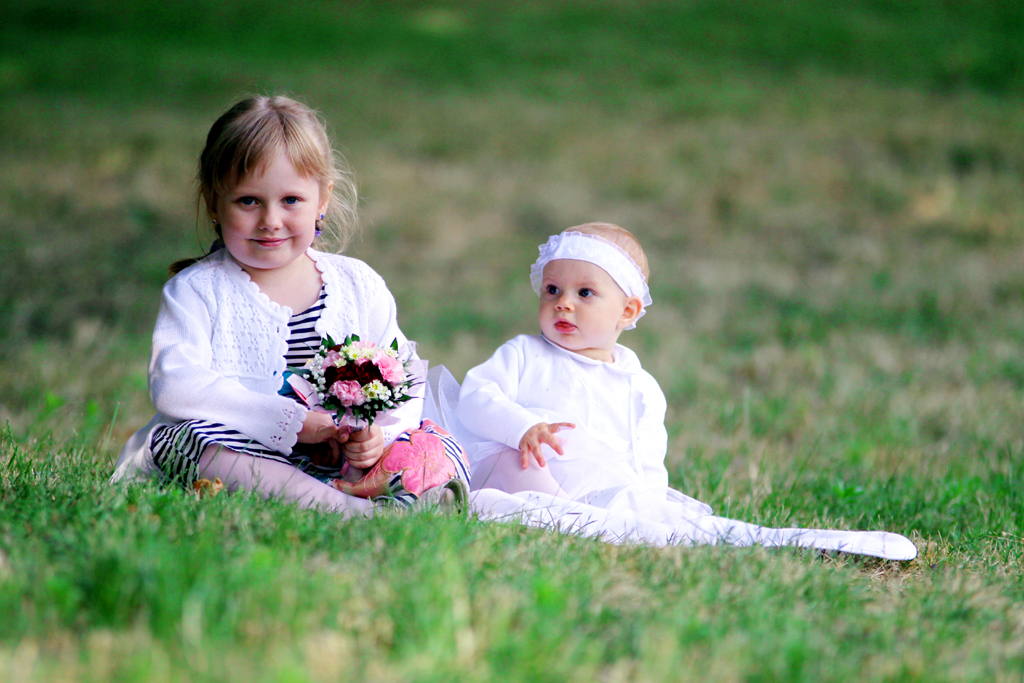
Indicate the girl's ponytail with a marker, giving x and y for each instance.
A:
(182, 264)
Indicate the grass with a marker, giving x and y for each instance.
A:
(831, 201)
(96, 587)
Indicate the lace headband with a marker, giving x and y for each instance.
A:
(608, 256)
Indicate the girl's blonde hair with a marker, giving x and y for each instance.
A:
(250, 135)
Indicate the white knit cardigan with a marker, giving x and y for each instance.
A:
(219, 347)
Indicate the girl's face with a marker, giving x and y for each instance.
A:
(583, 309)
(268, 219)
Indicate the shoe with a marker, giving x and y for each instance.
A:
(452, 496)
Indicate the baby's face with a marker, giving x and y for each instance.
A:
(582, 308)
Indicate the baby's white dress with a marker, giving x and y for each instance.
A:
(613, 468)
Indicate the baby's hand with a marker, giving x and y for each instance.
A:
(364, 448)
(538, 434)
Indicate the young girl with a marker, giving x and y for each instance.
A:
(260, 301)
(570, 421)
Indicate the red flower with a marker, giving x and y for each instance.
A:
(342, 374)
(367, 372)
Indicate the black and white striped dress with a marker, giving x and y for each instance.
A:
(176, 448)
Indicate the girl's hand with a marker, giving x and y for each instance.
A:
(364, 448)
(542, 433)
(320, 428)
(317, 428)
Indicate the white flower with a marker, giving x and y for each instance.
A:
(360, 350)
(376, 390)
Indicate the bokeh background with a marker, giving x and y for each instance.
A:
(831, 196)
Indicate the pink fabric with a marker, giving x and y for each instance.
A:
(421, 460)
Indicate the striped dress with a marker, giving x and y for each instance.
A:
(176, 448)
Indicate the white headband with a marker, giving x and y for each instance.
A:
(606, 255)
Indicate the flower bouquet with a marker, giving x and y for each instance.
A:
(355, 381)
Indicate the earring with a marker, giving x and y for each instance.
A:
(317, 230)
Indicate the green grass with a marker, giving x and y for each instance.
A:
(105, 583)
(830, 197)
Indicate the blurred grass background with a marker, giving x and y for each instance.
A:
(831, 196)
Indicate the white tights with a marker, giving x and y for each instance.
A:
(277, 479)
(504, 471)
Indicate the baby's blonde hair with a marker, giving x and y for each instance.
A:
(250, 135)
(620, 237)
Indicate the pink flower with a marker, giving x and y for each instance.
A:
(349, 393)
(332, 358)
(390, 368)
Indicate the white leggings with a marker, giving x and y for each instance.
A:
(272, 478)
(504, 471)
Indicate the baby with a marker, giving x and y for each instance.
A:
(571, 412)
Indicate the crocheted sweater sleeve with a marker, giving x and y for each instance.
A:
(383, 330)
(184, 385)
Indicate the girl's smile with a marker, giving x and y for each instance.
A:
(268, 243)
